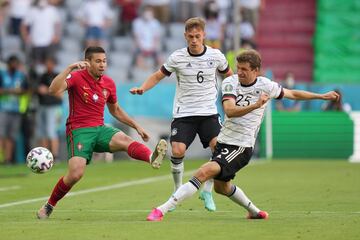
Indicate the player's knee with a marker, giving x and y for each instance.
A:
(178, 152)
(178, 149)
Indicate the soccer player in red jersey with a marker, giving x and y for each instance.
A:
(89, 90)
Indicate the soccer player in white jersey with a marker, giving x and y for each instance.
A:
(194, 109)
(244, 96)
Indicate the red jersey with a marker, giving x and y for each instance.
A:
(87, 99)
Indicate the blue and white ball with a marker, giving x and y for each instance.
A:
(40, 160)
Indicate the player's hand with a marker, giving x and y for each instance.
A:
(262, 100)
(136, 90)
(79, 65)
(332, 95)
(143, 134)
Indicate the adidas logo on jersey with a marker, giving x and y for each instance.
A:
(189, 65)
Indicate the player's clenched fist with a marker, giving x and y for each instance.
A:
(262, 100)
(332, 95)
(136, 90)
(79, 65)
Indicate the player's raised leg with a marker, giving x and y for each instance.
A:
(136, 150)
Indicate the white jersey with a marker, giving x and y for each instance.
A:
(196, 88)
(242, 131)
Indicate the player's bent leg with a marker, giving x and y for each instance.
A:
(239, 197)
(206, 171)
(158, 154)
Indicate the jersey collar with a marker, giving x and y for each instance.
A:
(249, 85)
(197, 55)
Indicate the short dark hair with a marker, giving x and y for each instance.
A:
(91, 50)
(13, 58)
(250, 56)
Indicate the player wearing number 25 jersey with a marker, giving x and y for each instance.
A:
(194, 111)
(245, 96)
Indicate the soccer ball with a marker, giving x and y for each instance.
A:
(40, 160)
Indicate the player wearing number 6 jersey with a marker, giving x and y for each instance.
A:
(194, 109)
(244, 98)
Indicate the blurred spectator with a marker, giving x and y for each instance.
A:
(214, 27)
(250, 10)
(247, 31)
(96, 16)
(188, 8)
(13, 84)
(161, 9)
(127, 14)
(147, 35)
(3, 5)
(41, 31)
(337, 105)
(285, 104)
(48, 112)
(231, 54)
(17, 11)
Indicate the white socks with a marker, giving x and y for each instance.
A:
(239, 197)
(185, 191)
(177, 170)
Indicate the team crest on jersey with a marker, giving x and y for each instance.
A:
(228, 88)
(105, 93)
(210, 62)
(79, 146)
(95, 97)
(174, 132)
(257, 91)
(68, 76)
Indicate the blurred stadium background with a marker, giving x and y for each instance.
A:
(318, 42)
(312, 193)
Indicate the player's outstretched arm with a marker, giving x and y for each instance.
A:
(154, 79)
(232, 110)
(58, 85)
(306, 95)
(123, 117)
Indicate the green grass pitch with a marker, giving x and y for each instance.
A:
(306, 199)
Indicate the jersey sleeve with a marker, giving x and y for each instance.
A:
(223, 64)
(169, 66)
(70, 80)
(276, 90)
(112, 95)
(228, 89)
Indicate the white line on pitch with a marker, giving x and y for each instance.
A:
(97, 189)
(4, 189)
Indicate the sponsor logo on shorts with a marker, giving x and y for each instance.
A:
(174, 132)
